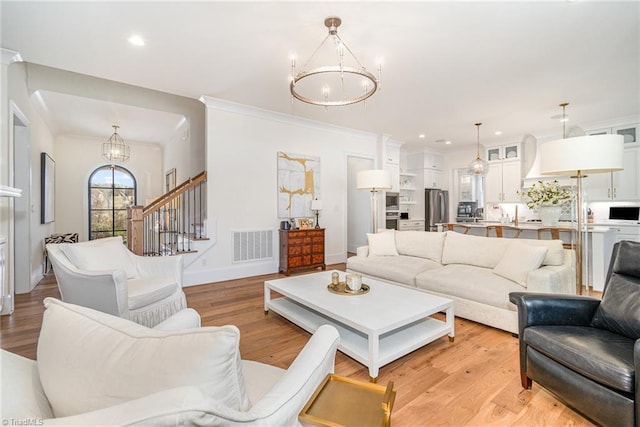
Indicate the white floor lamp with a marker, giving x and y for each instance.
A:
(576, 157)
(374, 180)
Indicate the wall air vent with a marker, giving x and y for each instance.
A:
(252, 245)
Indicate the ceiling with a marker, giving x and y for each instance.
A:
(447, 65)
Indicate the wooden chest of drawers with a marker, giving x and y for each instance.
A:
(301, 249)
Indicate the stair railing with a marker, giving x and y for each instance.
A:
(170, 224)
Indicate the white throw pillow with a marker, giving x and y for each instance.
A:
(420, 244)
(473, 250)
(100, 255)
(555, 250)
(519, 260)
(382, 244)
(89, 360)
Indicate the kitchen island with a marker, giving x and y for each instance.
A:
(596, 252)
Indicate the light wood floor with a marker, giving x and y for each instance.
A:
(473, 381)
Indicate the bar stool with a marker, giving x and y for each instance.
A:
(504, 231)
(458, 228)
(555, 232)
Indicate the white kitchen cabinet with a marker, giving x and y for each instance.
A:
(627, 232)
(623, 185)
(411, 224)
(392, 153)
(503, 152)
(502, 182)
(392, 163)
(394, 171)
(432, 178)
(433, 161)
(630, 133)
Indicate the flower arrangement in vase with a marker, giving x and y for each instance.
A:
(547, 197)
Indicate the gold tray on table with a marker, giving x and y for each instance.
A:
(341, 289)
(341, 401)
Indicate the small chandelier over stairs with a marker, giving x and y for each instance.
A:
(115, 150)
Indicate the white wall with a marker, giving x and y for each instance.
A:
(358, 224)
(40, 140)
(77, 157)
(177, 154)
(242, 147)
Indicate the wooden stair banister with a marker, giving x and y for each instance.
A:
(169, 223)
(173, 194)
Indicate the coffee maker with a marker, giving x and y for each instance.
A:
(466, 211)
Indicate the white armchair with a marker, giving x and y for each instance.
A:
(104, 275)
(96, 369)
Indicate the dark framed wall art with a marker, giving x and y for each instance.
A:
(170, 180)
(47, 189)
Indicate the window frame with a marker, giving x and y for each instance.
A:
(90, 186)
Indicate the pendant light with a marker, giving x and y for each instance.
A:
(115, 150)
(478, 166)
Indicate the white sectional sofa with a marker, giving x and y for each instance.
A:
(476, 272)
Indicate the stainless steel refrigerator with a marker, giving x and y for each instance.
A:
(436, 208)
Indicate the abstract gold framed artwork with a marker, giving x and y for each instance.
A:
(298, 184)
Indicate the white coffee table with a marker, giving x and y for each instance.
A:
(375, 328)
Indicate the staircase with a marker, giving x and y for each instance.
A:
(172, 223)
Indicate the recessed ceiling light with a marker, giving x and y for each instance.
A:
(498, 132)
(421, 136)
(443, 141)
(136, 40)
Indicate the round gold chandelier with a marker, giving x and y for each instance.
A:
(347, 82)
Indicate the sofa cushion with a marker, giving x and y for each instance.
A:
(100, 255)
(89, 360)
(519, 260)
(555, 250)
(382, 244)
(21, 393)
(143, 292)
(400, 269)
(420, 244)
(619, 310)
(260, 378)
(473, 250)
(469, 282)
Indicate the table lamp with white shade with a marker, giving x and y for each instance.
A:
(374, 180)
(316, 207)
(576, 157)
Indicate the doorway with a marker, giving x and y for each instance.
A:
(358, 204)
(19, 140)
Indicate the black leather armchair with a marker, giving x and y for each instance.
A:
(587, 351)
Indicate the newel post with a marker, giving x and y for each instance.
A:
(134, 229)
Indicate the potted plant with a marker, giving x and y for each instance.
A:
(547, 197)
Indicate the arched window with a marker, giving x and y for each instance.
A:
(111, 190)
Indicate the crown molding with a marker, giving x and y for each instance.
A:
(247, 110)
